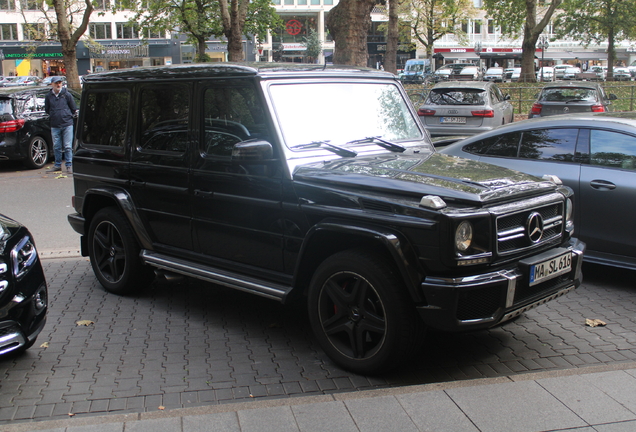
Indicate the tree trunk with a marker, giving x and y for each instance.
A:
(611, 55)
(390, 56)
(527, 60)
(349, 24)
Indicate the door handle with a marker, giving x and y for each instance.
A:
(602, 184)
(203, 194)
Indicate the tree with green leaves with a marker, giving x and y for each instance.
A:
(526, 19)
(200, 20)
(430, 20)
(596, 21)
(313, 45)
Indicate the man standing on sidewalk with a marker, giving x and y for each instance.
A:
(60, 106)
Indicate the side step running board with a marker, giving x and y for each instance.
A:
(221, 277)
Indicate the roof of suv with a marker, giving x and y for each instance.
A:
(190, 71)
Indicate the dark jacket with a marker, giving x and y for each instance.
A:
(60, 108)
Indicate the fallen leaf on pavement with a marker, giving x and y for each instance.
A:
(162, 407)
(44, 345)
(84, 322)
(594, 322)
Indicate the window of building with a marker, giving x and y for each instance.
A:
(315, 2)
(31, 5)
(34, 32)
(101, 4)
(276, 2)
(100, 31)
(8, 31)
(327, 2)
(477, 27)
(127, 31)
(148, 34)
(295, 28)
(289, 2)
(491, 26)
(105, 118)
(7, 5)
(164, 117)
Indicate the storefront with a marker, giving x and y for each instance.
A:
(119, 56)
(41, 61)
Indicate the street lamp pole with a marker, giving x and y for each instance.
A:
(543, 44)
(478, 51)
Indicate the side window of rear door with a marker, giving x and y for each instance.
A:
(549, 144)
(105, 118)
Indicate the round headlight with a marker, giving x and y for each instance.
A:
(463, 236)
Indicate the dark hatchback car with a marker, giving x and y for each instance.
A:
(25, 131)
(212, 171)
(23, 293)
(573, 97)
(594, 154)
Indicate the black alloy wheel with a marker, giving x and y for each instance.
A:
(37, 153)
(361, 313)
(114, 253)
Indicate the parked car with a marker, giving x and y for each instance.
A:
(622, 74)
(632, 68)
(47, 80)
(24, 81)
(8, 81)
(600, 71)
(494, 74)
(512, 74)
(576, 96)
(594, 154)
(559, 70)
(25, 131)
(361, 217)
(465, 108)
(449, 71)
(415, 70)
(469, 73)
(23, 291)
(545, 74)
(571, 73)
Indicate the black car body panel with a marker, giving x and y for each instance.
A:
(252, 195)
(23, 291)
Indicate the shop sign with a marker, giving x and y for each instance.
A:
(294, 47)
(119, 51)
(32, 55)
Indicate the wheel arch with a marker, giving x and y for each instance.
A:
(328, 238)
(98, 198)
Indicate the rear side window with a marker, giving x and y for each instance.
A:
(506, 145)
(105, 117)
(549, 144)
(165, 111)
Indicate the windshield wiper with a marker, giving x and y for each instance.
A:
(340, 151)
(382, 143)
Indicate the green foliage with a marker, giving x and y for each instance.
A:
(597, 20)
(313, 44)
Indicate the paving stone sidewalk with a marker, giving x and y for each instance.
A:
(192, 344)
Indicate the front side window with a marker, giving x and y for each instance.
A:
(232, 112)
(340, 112)
(612, 149)
(164, 115)
(549, 144)
(105, 117)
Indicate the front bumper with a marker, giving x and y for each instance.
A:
(484, 300)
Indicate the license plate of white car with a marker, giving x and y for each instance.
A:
(452, 119)
(551, 268)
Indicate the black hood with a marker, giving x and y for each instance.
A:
(417, 175)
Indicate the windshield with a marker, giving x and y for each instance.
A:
(415, 67)
(342, 112)
(456, 97)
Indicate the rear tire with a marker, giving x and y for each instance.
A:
(361, 313)
(114, 253)
(38, 153)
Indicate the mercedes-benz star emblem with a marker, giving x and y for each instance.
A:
(534, 227)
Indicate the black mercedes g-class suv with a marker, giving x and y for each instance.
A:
(316, 181)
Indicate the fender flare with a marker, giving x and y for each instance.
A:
(392, 241)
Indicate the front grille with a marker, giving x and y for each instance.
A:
(512, 230)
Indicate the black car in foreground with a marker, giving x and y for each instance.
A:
(213, 171)
(25, 131)
(594, 154)
(23, 292)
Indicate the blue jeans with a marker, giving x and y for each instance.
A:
(63, 145)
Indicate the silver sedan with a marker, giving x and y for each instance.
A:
(465, 108)
(594, 154)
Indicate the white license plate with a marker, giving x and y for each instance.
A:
(452, 119)
(551, 268)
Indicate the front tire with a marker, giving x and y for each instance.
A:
(37, 153)
(114, 253)
(361, 314)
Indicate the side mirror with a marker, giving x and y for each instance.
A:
(252, 151)
(612, 96)
(506, 96)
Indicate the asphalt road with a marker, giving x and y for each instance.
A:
(190, 343)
